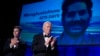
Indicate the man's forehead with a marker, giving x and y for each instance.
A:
(77, 6)
(16, 29)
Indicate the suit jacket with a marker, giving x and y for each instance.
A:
(39, 49)
(1, 47)
(19, 51)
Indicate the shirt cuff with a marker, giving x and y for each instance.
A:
(47, 45)
(11, 46)
(52, 48)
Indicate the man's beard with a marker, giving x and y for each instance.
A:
(76, 28)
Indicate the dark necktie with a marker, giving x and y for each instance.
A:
(46, 35)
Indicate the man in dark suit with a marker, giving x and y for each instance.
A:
(44, 44)
(14, 46)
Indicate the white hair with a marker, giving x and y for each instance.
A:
(46, 22)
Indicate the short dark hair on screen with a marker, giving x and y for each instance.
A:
(66, 3)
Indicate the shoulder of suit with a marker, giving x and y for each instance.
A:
(94, 35)
(39, 35)
(9, 39)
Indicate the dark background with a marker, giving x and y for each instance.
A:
(10, 16)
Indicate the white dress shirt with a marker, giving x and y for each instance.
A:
(45, 38)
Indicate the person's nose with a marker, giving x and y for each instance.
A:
(77, 17)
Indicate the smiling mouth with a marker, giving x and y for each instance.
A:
(76, 29)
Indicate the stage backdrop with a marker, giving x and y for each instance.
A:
(34, 14)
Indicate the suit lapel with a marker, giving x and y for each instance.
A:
(42, 38)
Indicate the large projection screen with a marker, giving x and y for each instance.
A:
(34, 14)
